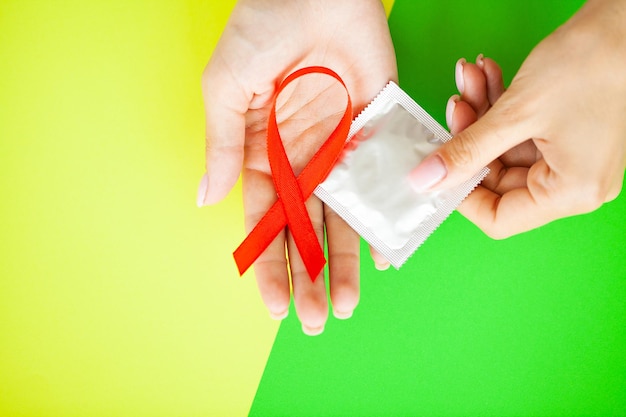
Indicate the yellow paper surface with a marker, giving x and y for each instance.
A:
(118, 296)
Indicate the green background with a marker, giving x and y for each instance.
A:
(534, 325)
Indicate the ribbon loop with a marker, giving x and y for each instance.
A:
(290, 210)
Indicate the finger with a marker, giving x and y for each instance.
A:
(472, 85)
(501, 216)
(511, 179)
(270, 268)
(523, 155)
(516, 211)
(309, 297)
(493, 75)
(502, 179)
(226, 103)
(343, 264)
(496, 171)
(459, 114)
(502, 128)
(380, 262)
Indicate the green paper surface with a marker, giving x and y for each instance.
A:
(534, 325)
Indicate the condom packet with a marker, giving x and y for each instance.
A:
(369, 187)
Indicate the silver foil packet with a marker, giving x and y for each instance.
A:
(369, 187)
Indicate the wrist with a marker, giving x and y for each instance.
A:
(598, 31)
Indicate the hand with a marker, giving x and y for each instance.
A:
(263, 42)
(559, 130)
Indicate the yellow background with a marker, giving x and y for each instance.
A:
(118, 296)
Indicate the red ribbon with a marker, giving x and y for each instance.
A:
(292, 192)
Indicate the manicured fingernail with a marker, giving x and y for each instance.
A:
(279, 316)
(458, 75)
(202, 190)
(427, 174)
(382, 266)
(450, 109)
(479, 61)
(342, 315)
(312, 331)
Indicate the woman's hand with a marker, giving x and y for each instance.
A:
(263, 42)
(559, 131)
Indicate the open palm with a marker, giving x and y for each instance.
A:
(263, 42)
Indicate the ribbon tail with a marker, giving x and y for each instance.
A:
(261, 236)
(265, 232)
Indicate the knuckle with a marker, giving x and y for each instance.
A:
(493, 226)
(564, 195)
(496, 232)
(518, 107)
(584, 197)
(615, 191)
(613, 194)
(318, 228)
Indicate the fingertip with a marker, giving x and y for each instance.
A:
(458, 75)
(380, 262)
(344, 265)
(491, 66)
(475, 88)
(480, 61)
(280, 315)
(343, 315)
(272, 279)
(312, 312)
(430, 172)
(202, 190)
(344, 295)
(462, 117)
(312, 331)
(382, 266)
(450, 106)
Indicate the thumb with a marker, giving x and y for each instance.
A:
(226, 104)
(457, 160)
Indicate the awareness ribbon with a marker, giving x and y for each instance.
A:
(292, 192)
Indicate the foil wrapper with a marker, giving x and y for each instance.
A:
(369, 187)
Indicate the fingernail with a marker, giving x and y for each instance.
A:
(382, 266)
(450, 109)
(202, 190)
(279, 316)
(342, 315)
(312, 331)
(430, 172)
(458, 75)
(479, 61)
